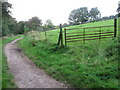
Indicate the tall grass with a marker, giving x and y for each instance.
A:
(83, 67)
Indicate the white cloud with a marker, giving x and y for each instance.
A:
(58, 10)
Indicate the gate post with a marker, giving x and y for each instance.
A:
(60, 37)
(45, 35)
(115, 27)
(65, 36)
(84, 36)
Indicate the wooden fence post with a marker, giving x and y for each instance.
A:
(100, 31)
(60, 37)
(45, 34)
(115, 27)
(65, 36)
(84, 36)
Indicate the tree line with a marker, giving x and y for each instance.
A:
(11, 26)
(77, 16)
(82, 15)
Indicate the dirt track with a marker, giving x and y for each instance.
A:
(26, 74)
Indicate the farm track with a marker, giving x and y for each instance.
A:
(26, 74)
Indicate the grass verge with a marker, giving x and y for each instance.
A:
(89, 66)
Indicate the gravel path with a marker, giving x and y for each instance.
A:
(26, 74)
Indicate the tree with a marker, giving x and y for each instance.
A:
(5, 9)
(49, 25)
(105, 18)
(65, 25)
(8, 23)
(73, 19)
(20, 27)
(111, 17)
(94, 14)
(34, 23)
(78, 16)
(118, 9)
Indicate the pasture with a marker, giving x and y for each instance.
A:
(93, 65)
(52, 36)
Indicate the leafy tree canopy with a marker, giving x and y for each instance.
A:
(94, 14)
(79, 15)
(34, 23)
(49, 25)
(82, 15)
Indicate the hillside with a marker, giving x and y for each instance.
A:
(94, 65)
(52, 35)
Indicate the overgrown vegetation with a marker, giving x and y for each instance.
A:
(86, 67)
(94, 65)
(7, 78)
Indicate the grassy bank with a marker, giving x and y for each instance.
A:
(94, 65)
(85, 67)
(7, 78)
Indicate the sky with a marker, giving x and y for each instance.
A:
(58, 10)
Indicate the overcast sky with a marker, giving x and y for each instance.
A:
(58, 10)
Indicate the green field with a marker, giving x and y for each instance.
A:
(93, 65)
(52, 36)
(7, 78)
